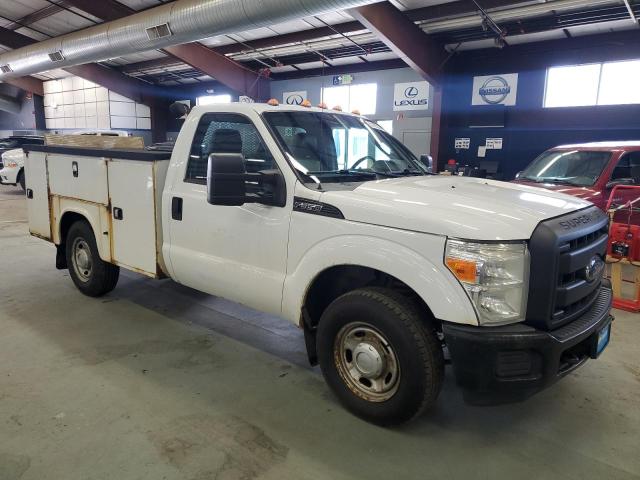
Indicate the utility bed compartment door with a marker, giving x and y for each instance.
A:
(133, 215)
(74, 176)
(35, 166)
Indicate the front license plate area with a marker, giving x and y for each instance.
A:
(601, 340)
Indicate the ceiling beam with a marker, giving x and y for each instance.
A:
(200, 57)
(28, 84)
(237, 77)
(404, 38)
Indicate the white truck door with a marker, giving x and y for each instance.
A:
(235, 252)
(35, 167)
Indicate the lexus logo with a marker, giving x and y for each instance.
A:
(295, 100)
(495, 90)
(411, 92)
(594, 270)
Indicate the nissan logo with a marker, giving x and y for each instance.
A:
(411, 92)
(294, 100)
(594, 269)
(495, 90)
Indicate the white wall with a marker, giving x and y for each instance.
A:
(75, 103)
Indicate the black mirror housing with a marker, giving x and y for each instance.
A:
(620, 181)
(226, 176)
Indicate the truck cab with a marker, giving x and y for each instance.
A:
(325, 219)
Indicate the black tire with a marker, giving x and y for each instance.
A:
(418, 354)
(93, 277)
(21, 180)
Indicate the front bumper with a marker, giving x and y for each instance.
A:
(8, 176)
(496, 365)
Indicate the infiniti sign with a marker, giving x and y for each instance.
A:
(294, 100)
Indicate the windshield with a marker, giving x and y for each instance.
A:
(334, 148)
(572, 167)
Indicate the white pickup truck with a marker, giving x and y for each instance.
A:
(325, 219)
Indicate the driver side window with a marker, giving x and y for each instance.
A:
(628, 168)
(226, 133)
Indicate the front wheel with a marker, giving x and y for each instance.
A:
(380, 356)
(89, 272)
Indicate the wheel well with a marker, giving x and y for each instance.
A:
(68, 219)
(338, 280)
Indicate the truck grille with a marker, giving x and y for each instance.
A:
(562, 249)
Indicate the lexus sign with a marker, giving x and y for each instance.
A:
(294, 98)
(411, 96)
(495, 89)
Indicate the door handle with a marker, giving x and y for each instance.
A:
(118, 214)
(29, 193)
(74, 169)
(176, 208)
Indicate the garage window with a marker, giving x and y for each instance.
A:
(352, 97)
(573, 86)
(610, 83)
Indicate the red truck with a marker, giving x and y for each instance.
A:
(589, 171)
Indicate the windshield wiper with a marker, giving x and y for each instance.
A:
(558, 181)
(351, 172)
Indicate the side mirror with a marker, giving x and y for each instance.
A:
(226, 179)
(620, 181)
(227, 183)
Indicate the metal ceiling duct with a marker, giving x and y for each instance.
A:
(175, 23)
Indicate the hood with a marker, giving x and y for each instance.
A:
(587, 193)
(463, 207)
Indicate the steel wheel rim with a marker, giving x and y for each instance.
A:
(82, 259)
(367, 362)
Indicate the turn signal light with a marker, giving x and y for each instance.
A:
(273, 102)
(306, 103)
(464, 270)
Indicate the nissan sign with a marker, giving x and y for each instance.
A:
(411, 96)
(495, 90)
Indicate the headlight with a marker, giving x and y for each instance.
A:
(495, 276)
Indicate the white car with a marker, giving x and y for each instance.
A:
(12, 168)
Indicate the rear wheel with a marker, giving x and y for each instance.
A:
(380, 356)
(89, 272)
(21, 180)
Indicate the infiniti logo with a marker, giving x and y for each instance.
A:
(294, 100)
(594, 269)
(411, 92)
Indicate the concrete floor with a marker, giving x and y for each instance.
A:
(157, 381)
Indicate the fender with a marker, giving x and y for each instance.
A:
(433, 283)
(97, 215)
